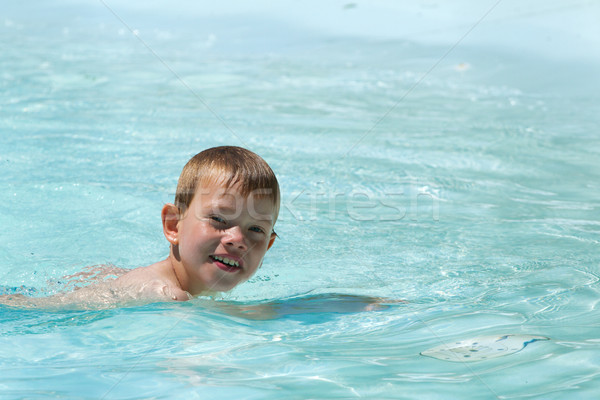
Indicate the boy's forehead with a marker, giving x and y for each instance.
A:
(221, 191)
(220, 197)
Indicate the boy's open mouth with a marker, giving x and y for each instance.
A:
(226, 264)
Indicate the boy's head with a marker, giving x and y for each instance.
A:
(221, 224)
(227, 166)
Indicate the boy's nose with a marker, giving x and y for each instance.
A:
(235, 238)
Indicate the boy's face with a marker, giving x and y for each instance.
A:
(222, 238)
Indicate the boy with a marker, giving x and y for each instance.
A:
(219, 229)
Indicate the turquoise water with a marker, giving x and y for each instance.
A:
(465, 183)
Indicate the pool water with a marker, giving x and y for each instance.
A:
(464, 182)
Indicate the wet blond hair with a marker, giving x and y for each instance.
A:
(227, 166)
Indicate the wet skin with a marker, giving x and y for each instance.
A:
(220, 241)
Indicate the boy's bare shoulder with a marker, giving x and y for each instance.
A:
(153, 281)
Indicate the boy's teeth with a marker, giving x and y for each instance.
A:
(227, 261)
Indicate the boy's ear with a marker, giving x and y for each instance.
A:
(272, 240)
(170, 219)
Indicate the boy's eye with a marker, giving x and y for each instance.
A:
(218, 219)
(257, 229)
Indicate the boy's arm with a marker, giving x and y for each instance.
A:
(322, 303)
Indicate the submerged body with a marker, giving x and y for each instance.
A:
(125, 288)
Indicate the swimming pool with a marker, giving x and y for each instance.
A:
(464, 182)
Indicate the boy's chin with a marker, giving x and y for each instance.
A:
(222, 286)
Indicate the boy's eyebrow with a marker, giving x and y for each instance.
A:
(233, 211)
(267, 218)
